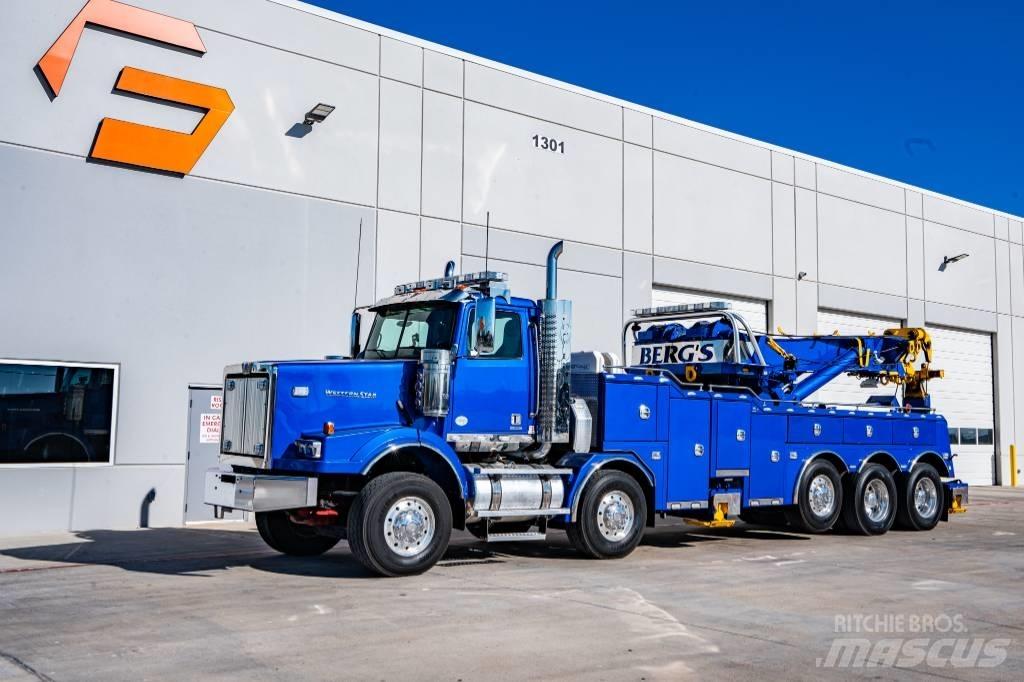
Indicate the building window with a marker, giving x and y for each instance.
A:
(985, 437)
(56, 413)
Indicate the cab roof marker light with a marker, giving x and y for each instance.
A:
(712, 306)
(451, 282)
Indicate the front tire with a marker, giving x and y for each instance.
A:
(920, 499)
(399, 524)
(611, 516)
(871, 503)
(819, 499)
(287, 537)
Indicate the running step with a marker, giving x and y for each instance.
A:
(527, 536)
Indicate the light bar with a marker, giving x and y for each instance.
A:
(712, 306)
(468, 279)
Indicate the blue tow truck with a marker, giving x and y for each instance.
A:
(467, 409)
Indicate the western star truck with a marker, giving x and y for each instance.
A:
(467, 409)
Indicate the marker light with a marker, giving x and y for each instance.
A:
(712, 306)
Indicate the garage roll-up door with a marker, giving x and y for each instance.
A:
(755, 312)
(965, 398)
(846, 389)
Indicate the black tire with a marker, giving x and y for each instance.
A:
(590, 534)
(383, 501)
(819, 498)
(913, 511)
(294, 539)
(871, 501)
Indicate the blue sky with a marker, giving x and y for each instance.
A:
(931, 93)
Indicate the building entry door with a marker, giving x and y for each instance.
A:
(205, 407)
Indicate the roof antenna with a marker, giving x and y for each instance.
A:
(487, 242)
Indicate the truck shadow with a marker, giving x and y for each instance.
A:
(179, 551)
(195, 552)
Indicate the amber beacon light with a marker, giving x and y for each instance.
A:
(135, 144)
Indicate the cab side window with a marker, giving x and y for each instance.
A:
(508, 335)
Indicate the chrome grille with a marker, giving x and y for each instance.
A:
(246, 407)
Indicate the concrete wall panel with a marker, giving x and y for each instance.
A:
(1002, 227)
(401, 129)
(442, 72)
(783, 309)
(861, 246)
(915, 258)
(128, 496)
(35, 500)
(805, 174)
(440, 242)
(1003, 372)
(953, 214)
(783, 230)
(575, 195)
(862, 302)
(782, 168)
(806, 206)
(542, 101)
(970, 283)
(1016, 273)
(700, 145)
(861, 189)
(637, 127)
(533, 250)
(711, 279)
(637, 283)
(960, 318)
(398, 250)
(913, 200)
(124, 295)
(401, 61)
(711, 215)
(1003, 286)
(638, 198)
(806, 307)
(442, 156)
(280, 27)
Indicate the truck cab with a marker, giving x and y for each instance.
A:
(467, 409)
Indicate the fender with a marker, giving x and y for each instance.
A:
(396, 439)
(585, 464)
(803, 468)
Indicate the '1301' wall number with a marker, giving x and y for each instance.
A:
(549, 143)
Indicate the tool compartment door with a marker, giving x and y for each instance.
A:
(732, 437)
(689, 460)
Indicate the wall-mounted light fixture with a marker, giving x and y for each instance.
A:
(954, 259)
(800, 275)
(318, 113)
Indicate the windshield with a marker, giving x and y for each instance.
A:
(400, 333)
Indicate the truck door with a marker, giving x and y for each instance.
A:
(491, 394)
(689, 452)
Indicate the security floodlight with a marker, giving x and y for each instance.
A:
(318, 113)
(954, 259)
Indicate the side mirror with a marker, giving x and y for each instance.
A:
(483, 326)
(353, 334)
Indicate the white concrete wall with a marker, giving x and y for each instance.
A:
(254, 254)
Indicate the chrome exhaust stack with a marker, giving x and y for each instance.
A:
(555, 398)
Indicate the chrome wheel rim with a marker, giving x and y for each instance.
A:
(876, 500)
(615, 515)
(409, 526)
(822, 496)
(926, 497)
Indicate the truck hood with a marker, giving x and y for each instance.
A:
(355, 395)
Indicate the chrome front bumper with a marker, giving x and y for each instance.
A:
(259, 493)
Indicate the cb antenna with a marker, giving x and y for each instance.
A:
(487, 242)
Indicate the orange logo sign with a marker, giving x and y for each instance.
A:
(133, 143)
